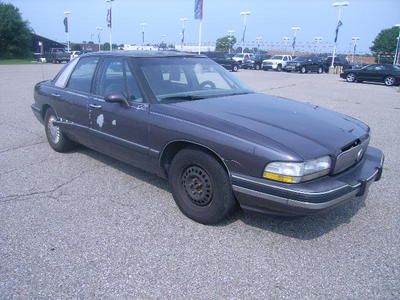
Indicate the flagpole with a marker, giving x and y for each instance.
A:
(200, 31)
(109, 19)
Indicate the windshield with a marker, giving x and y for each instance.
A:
(300, 58)
(188, 78)
(277, 57)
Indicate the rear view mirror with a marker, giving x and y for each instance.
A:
(117, 98)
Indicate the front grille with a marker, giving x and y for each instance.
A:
(268, 63)
(351, 154)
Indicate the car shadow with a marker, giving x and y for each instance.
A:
(303, 228)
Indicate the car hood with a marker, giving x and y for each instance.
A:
(273, 60)
(300, 128)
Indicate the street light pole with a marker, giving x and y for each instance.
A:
(396, 54)
(317, 40)
(143, 25)
(230, 38)
(99, 29)
(67, 13)
(286, 41)
(354, 39)
(109, 19)
(183, 20)
(244, 14)
(295, 29)
(339, 5)
(258, 40)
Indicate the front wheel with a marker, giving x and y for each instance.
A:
(257, 67)
(279, 68)
(303, 70)
(320, 70)
(390, 80)
(201, 186)
(235, 68)
(56, 138)
(351, 77)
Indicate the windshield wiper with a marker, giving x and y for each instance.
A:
(182, 97)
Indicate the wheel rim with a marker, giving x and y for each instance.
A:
(303, 70)
(350, 77)
(197, 185)
(320, 70)
(389, 81)
(257, 67)
(54, 131)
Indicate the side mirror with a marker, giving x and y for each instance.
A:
(117, 98)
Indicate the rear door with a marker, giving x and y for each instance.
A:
(119, 131)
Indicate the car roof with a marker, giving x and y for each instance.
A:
(134, 53)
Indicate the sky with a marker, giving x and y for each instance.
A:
(270, 19)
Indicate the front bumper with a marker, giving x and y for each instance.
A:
(269, 197)
(269, 67)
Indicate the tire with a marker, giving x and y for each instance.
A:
(389, 80)
(257, 67)
(56, 138)
(235, 68)
(320, 70)
(303, 70)
(201, 186)
(351, 77)
(279, 68)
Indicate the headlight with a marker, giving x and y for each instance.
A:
(298, 64)
(290, 172)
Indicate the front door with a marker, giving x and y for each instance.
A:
(118, 130)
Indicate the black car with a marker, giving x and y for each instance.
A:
(255, 62)
(185, 118)
(340, 61)
(305, 64)
(388, 74)
(224, 60)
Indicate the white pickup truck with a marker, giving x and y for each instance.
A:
(276, 62)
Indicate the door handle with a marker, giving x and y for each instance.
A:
(55, 95)
(95, 106)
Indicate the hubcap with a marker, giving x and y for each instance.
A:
(350, 77)
(197, 185)
(54, 131)
(389, 81)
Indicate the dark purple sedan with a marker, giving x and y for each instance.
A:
(219, 144)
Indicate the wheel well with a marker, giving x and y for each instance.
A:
(44, 109)
(173, 148)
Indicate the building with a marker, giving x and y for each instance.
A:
(41, 44)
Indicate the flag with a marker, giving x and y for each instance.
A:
(337, 29)
(355, 47)
(66, 24)
(198, 9)
(109, 18)
(183, 36)
(294, 43)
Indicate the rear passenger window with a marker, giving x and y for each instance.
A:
(81, 77)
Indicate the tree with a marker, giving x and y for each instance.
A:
(384, 45)
(15, 34)
(225, 43)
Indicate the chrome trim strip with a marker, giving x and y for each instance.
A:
(295, 203)
(76, 94)
(291, 190)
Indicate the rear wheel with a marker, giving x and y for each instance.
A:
(303, 70)
(389, 80)
(235, 68)
(257, 67)
(320, 70)
(351, 77)
(56, 138)
(200, 186)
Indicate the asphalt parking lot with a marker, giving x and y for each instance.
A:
(82, 225)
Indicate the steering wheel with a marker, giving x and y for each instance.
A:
(207, 85)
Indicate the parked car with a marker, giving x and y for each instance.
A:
(224, 60)
(255, 62)
(340, 61)
(57, 55)
(276, 62)
(305, 64)
(187, 119)
(388, 74)
(74, 54)
(241, 57)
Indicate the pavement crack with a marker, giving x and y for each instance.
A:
(21, 147)
(279, 87)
